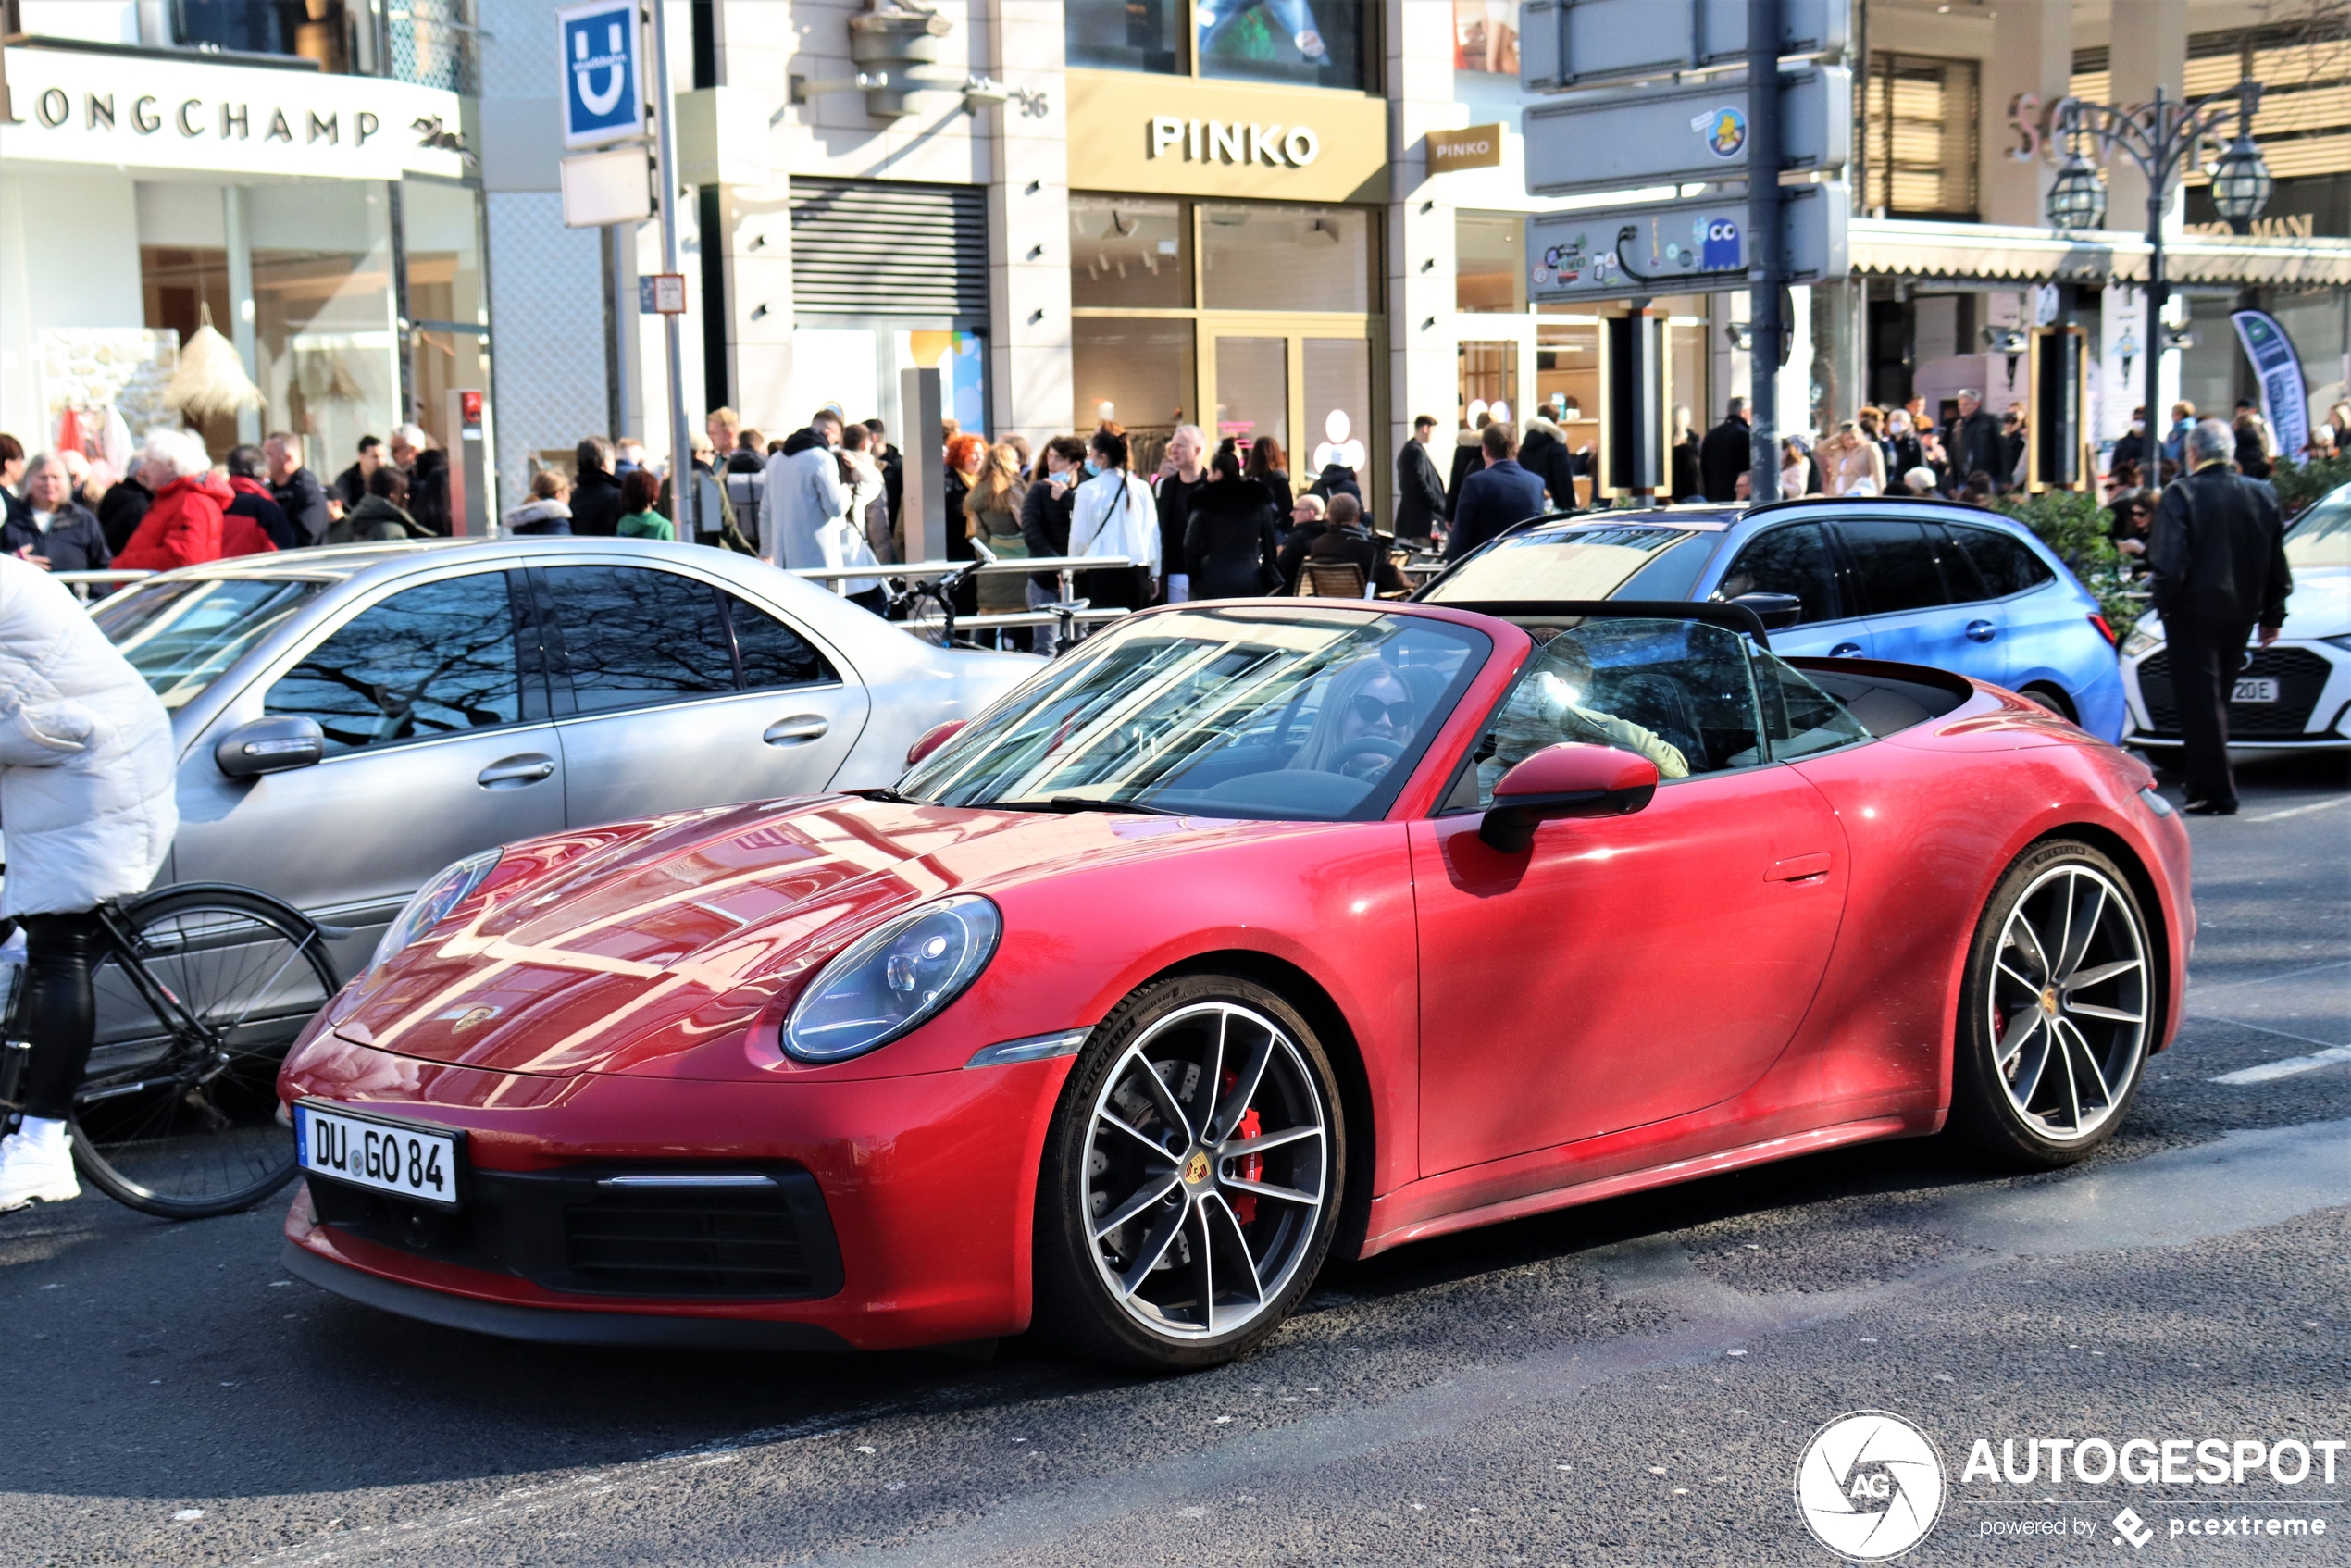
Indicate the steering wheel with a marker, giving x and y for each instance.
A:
(1364, 746)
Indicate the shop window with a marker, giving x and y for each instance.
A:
(1338, 384)
(1487, 274)
(314, 29)
(1252, 388)
(1129, 253)
(1137, 371)
(1567, 378)
(1305, 42)
(1485, 36)
(1920, 137)
(1264, 257)
(1125, 34)
(441, 256)
(323, 317)
(1488, 380)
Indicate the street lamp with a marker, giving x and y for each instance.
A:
(2158, 138)
(2077, 197)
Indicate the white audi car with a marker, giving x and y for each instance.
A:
(2294, 695)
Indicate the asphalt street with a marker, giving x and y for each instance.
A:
(1629, 1382)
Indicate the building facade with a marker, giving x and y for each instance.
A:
(306, 189)
(1296, 218)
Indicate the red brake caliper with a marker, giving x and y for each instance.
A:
(1252, 1166)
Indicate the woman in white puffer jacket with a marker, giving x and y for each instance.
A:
(86, 802)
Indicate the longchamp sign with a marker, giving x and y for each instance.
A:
(66, 106)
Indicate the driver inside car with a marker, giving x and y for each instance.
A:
(1365, 722)
(1548, 707)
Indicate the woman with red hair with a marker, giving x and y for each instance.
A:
(966, 455)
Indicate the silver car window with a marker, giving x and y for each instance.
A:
(430, 660)
(773, 653)
(180, 635)
(632, 635)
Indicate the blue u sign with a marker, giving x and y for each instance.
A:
(599, 45)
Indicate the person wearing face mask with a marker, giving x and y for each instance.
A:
(1901, 443)
(1044, 514)
(1114, 516)
(2132, 447)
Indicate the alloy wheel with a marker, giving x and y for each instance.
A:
(2068, 1003)
(1207, 1169)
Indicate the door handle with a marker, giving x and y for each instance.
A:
(1798, 868)
(516, 771)
(799, 727)
(1845, 651)
(1981, 631)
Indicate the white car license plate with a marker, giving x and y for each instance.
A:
(2255, 689)
(407, 1159)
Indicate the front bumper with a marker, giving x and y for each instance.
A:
(2312, 711)
(914, 1200)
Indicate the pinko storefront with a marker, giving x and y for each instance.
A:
(326, 224)
(1225, 263)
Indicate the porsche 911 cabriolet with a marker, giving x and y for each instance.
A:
(1246, 933)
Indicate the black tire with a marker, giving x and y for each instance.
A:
(2056, 1016)
(1165, 1321)
(2054, 700)
(181, 1127)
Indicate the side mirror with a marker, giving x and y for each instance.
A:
(270, 745)
(938, 735)
(1774, 610)
(1568, 780)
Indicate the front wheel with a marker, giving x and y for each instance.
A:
(1192, 1177)
(176, 1115)
(2058, 1011)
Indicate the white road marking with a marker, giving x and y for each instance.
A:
(2199, 987)
(2287, 1068)
(2298, 811)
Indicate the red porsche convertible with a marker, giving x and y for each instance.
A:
(1244, 932)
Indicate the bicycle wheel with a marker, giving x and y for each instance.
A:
(176, 1114)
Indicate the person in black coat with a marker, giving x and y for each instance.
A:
(1973, 441)
(1467, 460)
(595, 493)
(429, 491)
(351, 485)
(1686, 484)
(892, 464)
(2216, 570)
(295, 488)
(123, 508)
(1544, 453)
(73, 542)
(1727, 451)
(1419, 488)
(1044, 514)
(1335, 480)
(1495, 496)
(1229, 535)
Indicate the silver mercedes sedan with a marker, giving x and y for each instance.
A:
(350, 720)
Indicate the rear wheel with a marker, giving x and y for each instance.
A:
(177, 1116)
(2052, 699)
(2057, 1010)
(1191, 1179)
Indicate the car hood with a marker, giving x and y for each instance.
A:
(2320, 605)
(653, 948)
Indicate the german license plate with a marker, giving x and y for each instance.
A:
(2255, 689)
(406, 1159)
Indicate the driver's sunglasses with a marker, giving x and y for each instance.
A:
(1370, 710)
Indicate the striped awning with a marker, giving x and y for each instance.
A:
(1895, 247)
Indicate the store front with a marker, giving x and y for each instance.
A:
(1225, 267)
(306, 217)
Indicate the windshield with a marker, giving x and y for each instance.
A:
(1252, 711)
(2321, 537)
(180, 635)
(1622, 562)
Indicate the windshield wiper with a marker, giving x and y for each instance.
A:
(888, 797)
(1071, 804)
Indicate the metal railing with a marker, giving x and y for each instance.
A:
(81, 582)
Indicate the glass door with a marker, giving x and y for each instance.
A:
(1307, 383)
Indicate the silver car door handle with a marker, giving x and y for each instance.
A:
(1981, 631)
(527, 768)
(799, 727)
(1845, 651)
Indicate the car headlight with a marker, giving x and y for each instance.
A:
(433, 902)
(2140, 642)
(892, 979)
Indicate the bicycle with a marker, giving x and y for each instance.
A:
(201, 989)
(908, 595)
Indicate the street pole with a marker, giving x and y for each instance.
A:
(2159, 172)
(681, 452)
(1766, 255)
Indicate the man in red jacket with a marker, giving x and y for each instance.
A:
(185, 525)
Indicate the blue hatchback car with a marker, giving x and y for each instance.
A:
(1923, 582)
